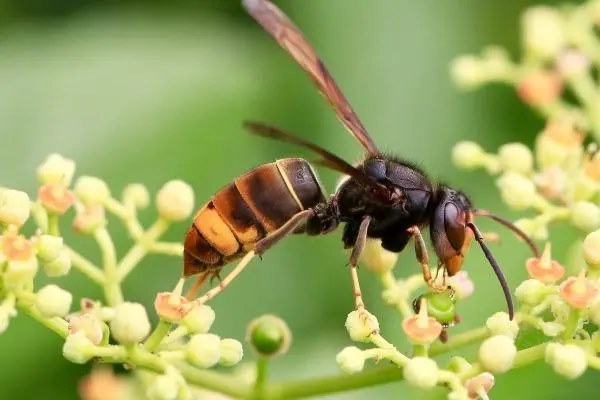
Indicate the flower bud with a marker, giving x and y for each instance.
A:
(15, 247)
(20, 273)
(89, 324)
(102, 384)
(552, 329)
(468, 155)
(89, 219)
(534, 228)
(130, 324)
(559, 144)
(171, 306)
(591, 249)
(60, 266)
(421, 372)
(551, 182)
(137, 195)
(585, 216)
(15, 207)
(231, 352)
(350, 360)
(376, 258)
(571, 63)
(48, 247)
(579, 292)
(361, 324)
(56, 170)
(468, 72)
(56, 198)
(203, 350)
(91, 191)
(540, 88)
(517, 191)
(478, 384)
(531, 292)
(516, 157)
(199, 319)
(497, 353)
(175, 201)
(561, 310)
(52, 301)
(568, 360)
(163, 387)
(78, 348)
(543, 31)
(501, 324)
(7, 310)
(269, 335)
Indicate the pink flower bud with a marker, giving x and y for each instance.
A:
(579, 292)
(56, 198)
(540, 88)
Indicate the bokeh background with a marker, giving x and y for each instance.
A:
(147, 91)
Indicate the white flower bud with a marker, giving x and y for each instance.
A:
(585, 216)
(376, 258)
(78, 348)
(421, 372)
(91, 191)
(350, 360)
(468, 72)
(15, 207)
(56, 169)
(19, 273)
(361, 324)
(199, 319)
(572, 63)
(591, 249)
(175, 201)
(531, 292)
(231, 352)
(60, 266)
(568, 360)
(130, 324)
(517, 191)
(468, 155)
(203, 350)
(543, 31)
(497, 353)
(516, 157)
(163, 387)
(500, 324)
(136, 194)
(48, 247)
(89, 324)
(52, 301)
(552, 329)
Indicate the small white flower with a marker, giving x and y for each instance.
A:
(497, 353)
(500, 324)
(468, 71)
(568, 360)
(89, 324)
(585, 216)
(199, 319)
(591, 249)
(163, 387)
(48, 247)
(531, 292)
(543, 31)
(517, 191)
(52, 301)
(468, 155)
(361, 324)
(60, 266)
(56, 169)
(516, 157)
(130, 324)
(231, 352)
(137, 195)
(15, 207)
(421, 372)
(20, 273)
(78, 348)
(175, 201)
(91, 191)
(376, 258)
(350, 360)
(203, 350)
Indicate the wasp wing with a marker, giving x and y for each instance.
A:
(278, 25)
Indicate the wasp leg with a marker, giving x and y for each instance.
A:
(193, 290)
(260, 247)
(359, 246)
(423, 259)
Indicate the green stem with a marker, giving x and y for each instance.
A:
(53, 228)
(158, 334)
(262, 367)
(215, 381)
(571, 325)
(56, 325)
(86, 267)
(127, 216)
(462, 339)
(112, 287)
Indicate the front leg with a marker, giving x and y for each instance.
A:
(423, 259)
(358, 248)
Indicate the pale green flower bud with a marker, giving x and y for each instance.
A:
(78, 348)
(361, 324)
(350, 360)
(468, 155)
(468, 72)
(552, 329)
(163, 387)
(130, 324)
(199, 319)
(531, 292)
(231, 352)
(15, 207)
(203, 350)
(591, 249)
(136, 194)
(497, 353)
(500, 324)
(91, 191)
(517, 191)
(585, 216)
(20, 273)
(585, 187)
(516, 157)
(421, 372)
(52, 301)
(175, 201)
(544, 33)
(269, 336)
(56, 169)
(568, 360)
(48, 247)
(376, 258)
(60, 266)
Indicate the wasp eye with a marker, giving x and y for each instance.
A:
(454, 226)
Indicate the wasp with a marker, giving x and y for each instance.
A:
(383, 197)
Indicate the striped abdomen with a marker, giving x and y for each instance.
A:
(242, 213)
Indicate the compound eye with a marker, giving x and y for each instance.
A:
(454, 226)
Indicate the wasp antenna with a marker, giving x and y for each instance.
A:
(495, 267)
(512, 227)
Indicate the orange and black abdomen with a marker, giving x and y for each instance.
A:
(242, 213)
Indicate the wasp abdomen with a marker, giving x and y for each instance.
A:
(242, 213)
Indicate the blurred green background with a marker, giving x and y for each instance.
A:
(147, 91)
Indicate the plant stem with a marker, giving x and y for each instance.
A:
(459, 340)
(158, 334)
(140, 249)
(86, 267)
(56, 325)
(112, 287)
(262, 366)
(571, 325)
(53, 224)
